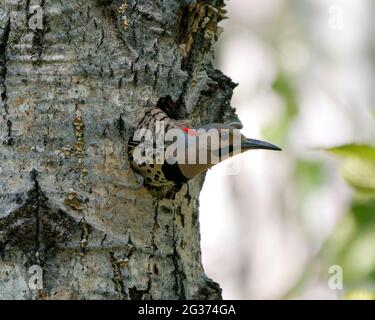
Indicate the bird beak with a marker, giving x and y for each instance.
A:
(258, 144)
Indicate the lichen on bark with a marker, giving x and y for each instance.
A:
(71, 95)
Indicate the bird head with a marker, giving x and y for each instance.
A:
(227, 135)
(217, 142)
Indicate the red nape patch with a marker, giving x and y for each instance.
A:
(190, 132)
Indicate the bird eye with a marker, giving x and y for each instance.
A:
(224, 135)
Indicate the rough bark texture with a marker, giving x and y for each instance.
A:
(71, 94)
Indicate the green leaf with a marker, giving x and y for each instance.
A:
(365, 152)
(360, 174)
(359, 166)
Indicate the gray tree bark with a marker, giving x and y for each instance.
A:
(72, 90)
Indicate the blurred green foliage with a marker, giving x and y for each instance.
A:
(359, 167)
(308, 176)
(277, 130)
(352, 244)
(360, 295)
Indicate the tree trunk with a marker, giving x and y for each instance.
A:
(75, 78)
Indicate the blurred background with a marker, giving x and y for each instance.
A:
(292, 225)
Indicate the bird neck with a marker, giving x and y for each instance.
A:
(192, 170)
(198, 159)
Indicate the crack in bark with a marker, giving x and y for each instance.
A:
(117, 277)
(136, 294)
(179, 274)
(155, 227)
(38, 227)
(111, 14)
(35, 229)
(8, 140)
(117, 265)
(120, 125)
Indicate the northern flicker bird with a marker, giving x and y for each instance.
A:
(164, 173)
